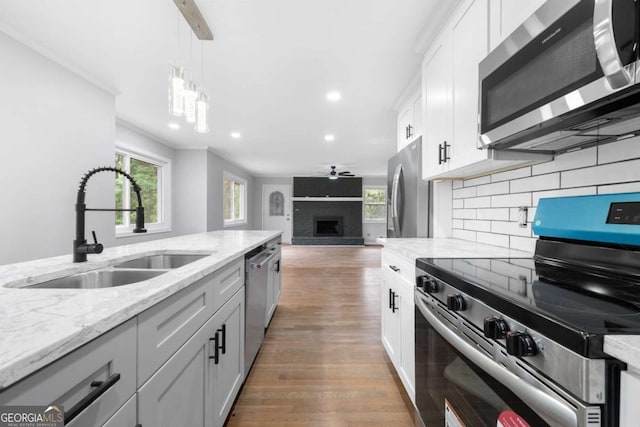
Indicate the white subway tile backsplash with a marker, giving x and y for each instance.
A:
(579, 191)
(619, 151)
(464, 213)
(477, 181)
(477, 202)
(526, 244)
(458, 184)
(512, 174)
(604, 174)
(493, 239)
(573, 160)
(499, 214)
(475, 225)
(492, 189)
(511, 200)
(630, 187)
(458, 204)
(464, 235)
(457, 223)
(536, 183)
(512, 228)
(462, 193)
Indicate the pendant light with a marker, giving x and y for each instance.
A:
(202, 103)
(176, 84)
(190, 92)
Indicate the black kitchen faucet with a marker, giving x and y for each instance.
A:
(80, 246)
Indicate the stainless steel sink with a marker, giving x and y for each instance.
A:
(162, 261)
(99, 279)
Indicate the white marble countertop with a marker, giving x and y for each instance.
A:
(625, 348)
(38, 326)
(448, 248)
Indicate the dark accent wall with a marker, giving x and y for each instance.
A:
(323, 187)
(304, 212)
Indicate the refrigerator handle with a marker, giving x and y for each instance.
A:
(395, 208)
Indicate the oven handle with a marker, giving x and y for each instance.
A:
(544, 404)
(615, 73)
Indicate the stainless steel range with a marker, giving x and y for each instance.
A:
(520, 341)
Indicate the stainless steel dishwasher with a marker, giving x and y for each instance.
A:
(256, 263)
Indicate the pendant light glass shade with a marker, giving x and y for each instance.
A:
(202, 107)
(176, 91)
(190, 96)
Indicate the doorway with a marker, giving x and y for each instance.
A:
(276, 209)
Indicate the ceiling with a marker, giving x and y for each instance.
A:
(267, 72)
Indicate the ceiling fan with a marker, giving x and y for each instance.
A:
(335, 174)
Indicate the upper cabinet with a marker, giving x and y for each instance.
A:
(410, 115)
(450, 88)
(506, 16)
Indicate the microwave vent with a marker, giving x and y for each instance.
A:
(591, 124)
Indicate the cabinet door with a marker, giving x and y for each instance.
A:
(391, 327)
(436, 87)
(126, 416)
(405, 119)
(407, 324)
(417, 117)
(178, 393)
(227, 371)
(273, 289)
(469, 47)
(506, 16)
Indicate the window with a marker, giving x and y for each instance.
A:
(151, 174)
(375, 204)
(234, 200)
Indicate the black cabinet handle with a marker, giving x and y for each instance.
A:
(394, 268)
(390, 299)
(223, 332)
(101, 388)
(216, 348)
(440, 161)
(394, 308)
(446, 152)
(410, 128)
(278, 266)
(138, 425)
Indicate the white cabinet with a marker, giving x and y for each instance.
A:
(629, 390)
(105, 369)
(398, 321)
(126, 416)
(506, 16)
(451, 89)
(410, 118)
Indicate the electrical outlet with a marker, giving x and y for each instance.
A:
(522, 216)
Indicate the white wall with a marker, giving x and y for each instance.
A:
(485, 209)
(55, 127)
(190, 191)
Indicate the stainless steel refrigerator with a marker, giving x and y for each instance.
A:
(409, 206)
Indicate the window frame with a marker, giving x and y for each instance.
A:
(235, 179)
(364, 204)
(164, 191)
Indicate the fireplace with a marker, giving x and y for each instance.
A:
(328, 226)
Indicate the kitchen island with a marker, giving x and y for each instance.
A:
(39, 326)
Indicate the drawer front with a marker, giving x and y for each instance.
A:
(68, 380)
(227, 281)
(165, 327)
(126, 416)
(406, 267)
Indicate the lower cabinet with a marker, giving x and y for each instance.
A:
(273, 289)
(398, 321)
(197, 385)
(126, 416)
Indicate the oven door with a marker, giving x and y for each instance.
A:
(460, 384)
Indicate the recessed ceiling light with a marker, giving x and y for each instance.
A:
(174, 126)
(235, 135)
(334, 96)
(329, 137)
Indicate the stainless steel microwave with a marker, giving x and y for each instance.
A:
(566, 78)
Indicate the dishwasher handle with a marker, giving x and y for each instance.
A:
(259, 261)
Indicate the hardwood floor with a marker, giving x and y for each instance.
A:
(322, 362)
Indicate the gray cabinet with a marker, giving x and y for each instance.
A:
(109, 362)
(226, 372)
(126, 416)
(273, 288)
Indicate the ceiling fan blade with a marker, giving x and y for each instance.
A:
(344, 173)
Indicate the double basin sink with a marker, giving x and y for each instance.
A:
(124, 273)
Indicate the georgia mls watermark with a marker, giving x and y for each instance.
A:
(31, 416)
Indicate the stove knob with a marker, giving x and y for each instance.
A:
(455, 302)
(520, 344)
(428, 284)
(495, 328)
